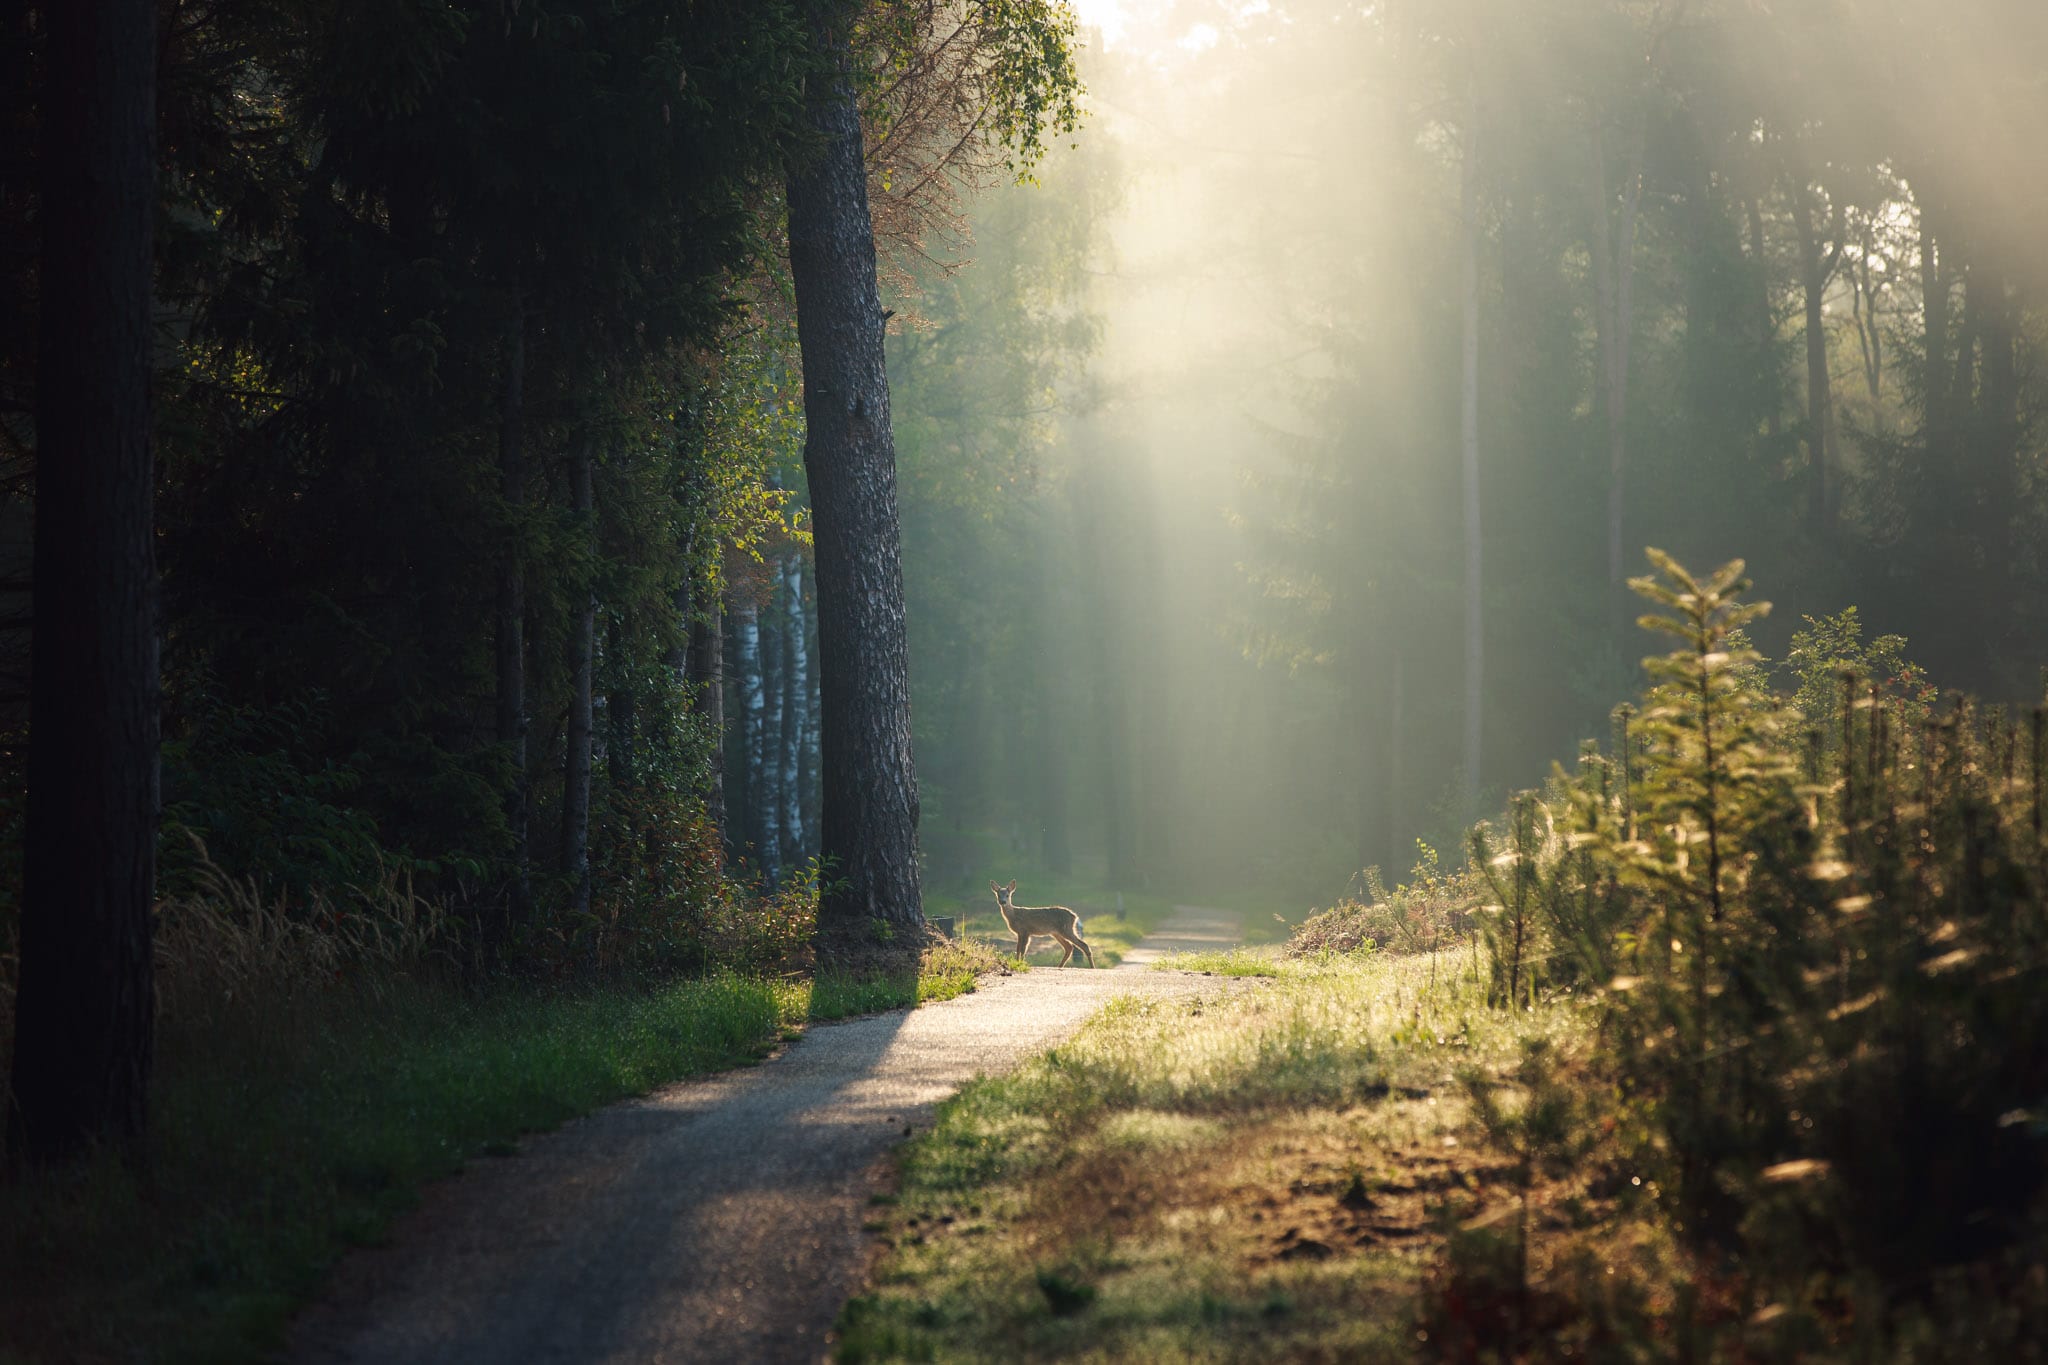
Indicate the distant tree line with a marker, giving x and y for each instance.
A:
(1490, 295)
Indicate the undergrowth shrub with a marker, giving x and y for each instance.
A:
(1817, 933)
(1429, 911)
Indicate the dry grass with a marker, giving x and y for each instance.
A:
(1266, 1175)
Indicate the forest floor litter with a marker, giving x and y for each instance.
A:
(717, 1219)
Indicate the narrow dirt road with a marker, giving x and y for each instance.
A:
(714, 1220)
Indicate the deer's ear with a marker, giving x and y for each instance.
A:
(1012, 886)
(997, 889)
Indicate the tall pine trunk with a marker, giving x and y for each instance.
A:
(746, 642)
(84, 1038)
(766, 779)
(796, 689)
(869, 836)
(1468, 464)
(1816, 269)
(705, 674)
(1613, 249)
(582, 649)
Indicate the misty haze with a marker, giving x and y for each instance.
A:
(1131, 680)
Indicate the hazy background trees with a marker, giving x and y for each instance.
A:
(1742, 281)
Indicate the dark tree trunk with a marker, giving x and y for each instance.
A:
(870, 787)
(84, 1013)
(706, 672)
(577, 755)
(1998, 433)
(511, 628)
(621, 710)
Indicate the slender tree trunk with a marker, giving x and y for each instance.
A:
(1934, 292)
(1766, 317)
(1613, 249)
(813, 763)
(706, 671)
(1397, 760)
(84, 1037)
(796, 669)
(511, 628)
(1468, 421)
(1816, 269)
(621, 710)
(576, 760)
(753, 698)
(767, 774)
(870, 785)
(1998, 432)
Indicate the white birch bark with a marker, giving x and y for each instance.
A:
(753, 704)
(796, 695)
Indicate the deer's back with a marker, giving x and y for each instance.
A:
(1039, 917)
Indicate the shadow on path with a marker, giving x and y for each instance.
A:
(715, 1220)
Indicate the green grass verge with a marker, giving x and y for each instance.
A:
(284, 1135)
(948, 971)
(1231, 1179)
(1229, 962)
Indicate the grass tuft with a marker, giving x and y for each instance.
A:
(1227, 962)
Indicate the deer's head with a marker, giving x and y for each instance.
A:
(1003, 894)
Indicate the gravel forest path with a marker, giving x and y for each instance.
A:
(713, 1220)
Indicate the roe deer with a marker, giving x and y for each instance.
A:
(1054, 921)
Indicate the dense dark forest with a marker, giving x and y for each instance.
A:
(460, 344)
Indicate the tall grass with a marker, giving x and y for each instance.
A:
(320, 1057)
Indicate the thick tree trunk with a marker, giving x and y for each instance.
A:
(1468, 467)
(84, 1039)
(582, 651)
(706, 672)
(870, 787)
(511, 630)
